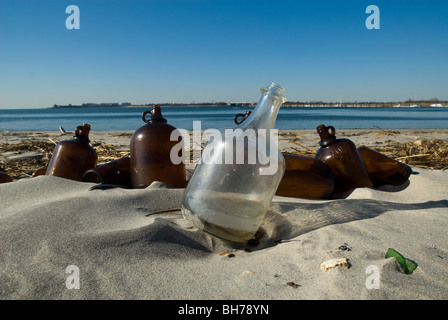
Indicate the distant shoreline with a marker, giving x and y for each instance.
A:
(408, 103)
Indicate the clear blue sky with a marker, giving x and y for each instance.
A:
(183, 51)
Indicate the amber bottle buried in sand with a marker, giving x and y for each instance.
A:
(344, 161)
(382, 169)
(4, 177)
(150, 150)
(116, 172)
(305, 177)
(72, 158)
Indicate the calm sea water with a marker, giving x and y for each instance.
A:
(129, 119)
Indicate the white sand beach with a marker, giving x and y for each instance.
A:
(59, 240)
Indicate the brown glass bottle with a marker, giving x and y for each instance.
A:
(383, 169)
(344, 161)
(116, 172)
(39, 172)
(305, 177)
(72, 158)
(150, 153)
(4, 177)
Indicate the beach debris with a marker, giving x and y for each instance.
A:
(25, 166)
(305, 177)
(72, 158)
(293, 284)
(25, 156)
(428, 154)
(407, 265)
(114, 172)
(345, 247)
(414, 156)
(226, 254)
(256, 238)
(434, 247)
(424, 153)
(150, 153)
(4, 177)
(207, 198)
(162, 211)
(333, 263)
(342, 157)
(383, 169)
(388, 131)
(248, 272)
(104, 186)
(65, 131)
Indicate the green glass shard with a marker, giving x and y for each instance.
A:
(407, 265)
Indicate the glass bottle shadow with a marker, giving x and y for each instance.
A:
(383, 188)
(285, 221)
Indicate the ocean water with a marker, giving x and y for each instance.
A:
(130, 118)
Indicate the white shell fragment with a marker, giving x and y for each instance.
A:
(333, 263)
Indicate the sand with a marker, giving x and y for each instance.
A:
(59, 240)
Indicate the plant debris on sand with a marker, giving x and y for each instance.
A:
(21, 159)
(40, 154)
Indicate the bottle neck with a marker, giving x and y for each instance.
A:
(156, 115)
(326, 134)
(265, 113)
(82, 133)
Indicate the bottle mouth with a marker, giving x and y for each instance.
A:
(156, 115)
(275, 89)
(82, 132)
(326, 134)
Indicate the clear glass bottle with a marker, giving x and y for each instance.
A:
(72, 158)
(239, 171)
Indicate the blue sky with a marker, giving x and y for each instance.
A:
(203, 50)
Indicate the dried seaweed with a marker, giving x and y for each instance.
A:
(428, 154)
